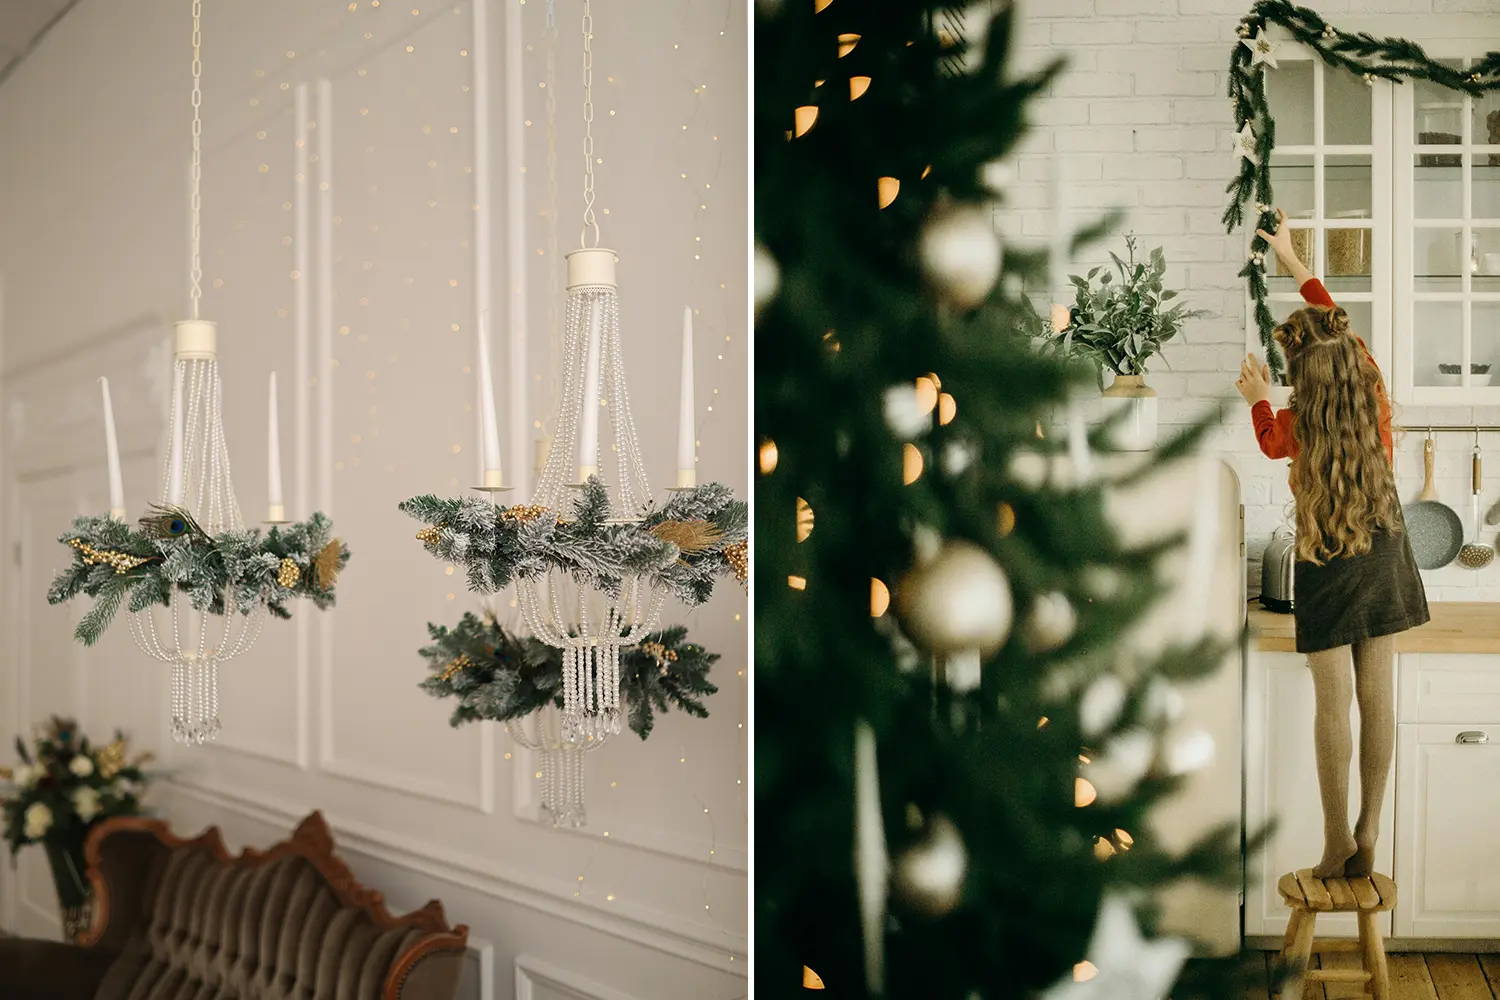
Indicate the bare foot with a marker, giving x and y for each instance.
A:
(1335, 856)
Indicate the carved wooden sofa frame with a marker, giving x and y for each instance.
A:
(426, 961)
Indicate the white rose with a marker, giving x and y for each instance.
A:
(38, 821)
(86, 801)
(81, 766)
(22, 776)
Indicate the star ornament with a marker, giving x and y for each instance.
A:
(1244, 143)
(1262, 49)
(1122, 965)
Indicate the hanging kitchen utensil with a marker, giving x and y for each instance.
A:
(1436, 531)
(1476, 554)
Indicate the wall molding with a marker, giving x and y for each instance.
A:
(482, 797)
(484, 952)
(533, 972)
(666, 933)
(663, 842)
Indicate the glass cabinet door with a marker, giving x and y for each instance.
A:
(1447, 196)
(1330, 172)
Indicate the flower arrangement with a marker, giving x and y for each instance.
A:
(62, 788)
(1123, 323)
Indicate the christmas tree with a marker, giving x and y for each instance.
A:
(938, 625)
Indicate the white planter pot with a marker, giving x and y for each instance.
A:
(1132, 406)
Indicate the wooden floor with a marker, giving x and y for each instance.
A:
(1415, 977)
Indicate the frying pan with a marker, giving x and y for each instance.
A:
(1435, 529)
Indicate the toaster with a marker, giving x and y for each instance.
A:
(1276, 574)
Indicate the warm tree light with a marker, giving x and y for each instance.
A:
(803, 118)
(768, 457)
(857, 87)
(880, 597)
(947, 409)
(911, 464)
(804, 520)
(888, 188)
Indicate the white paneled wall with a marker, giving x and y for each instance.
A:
(1142, 116)
(371, 332)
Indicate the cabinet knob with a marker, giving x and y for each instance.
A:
(1472, 736)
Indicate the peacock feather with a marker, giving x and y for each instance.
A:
(326, 564)
(171, 521)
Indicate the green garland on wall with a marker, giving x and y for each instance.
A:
(500, 675)
(1391, 59)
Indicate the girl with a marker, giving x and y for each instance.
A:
(1356, 584)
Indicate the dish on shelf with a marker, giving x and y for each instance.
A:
(1479, 374)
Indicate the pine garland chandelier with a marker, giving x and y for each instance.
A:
(200, 584)
(593, 559)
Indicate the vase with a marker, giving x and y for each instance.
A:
(1130, 412)
(69, 877)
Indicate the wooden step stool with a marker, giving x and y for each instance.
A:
(1366, 896)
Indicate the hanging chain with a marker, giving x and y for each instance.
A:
(197, 203)
(554, 332)
(589, 222)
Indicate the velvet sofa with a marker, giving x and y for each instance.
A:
(181, 919)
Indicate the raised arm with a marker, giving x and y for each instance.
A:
(1281, 242)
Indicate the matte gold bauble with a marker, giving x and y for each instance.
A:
(929, 875)
(959, 600)
(960, 254)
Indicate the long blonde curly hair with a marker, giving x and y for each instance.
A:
(1343, 481)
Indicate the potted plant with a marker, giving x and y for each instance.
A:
(63, 787)
(1121, 324)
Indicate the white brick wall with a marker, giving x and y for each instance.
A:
(1142, 118)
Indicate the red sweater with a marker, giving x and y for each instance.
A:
(1275, 431)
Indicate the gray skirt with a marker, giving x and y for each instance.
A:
(1359, 597)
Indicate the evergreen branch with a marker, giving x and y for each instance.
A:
(170, 553)
(501, 676)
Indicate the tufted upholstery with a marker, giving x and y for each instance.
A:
(182, 920)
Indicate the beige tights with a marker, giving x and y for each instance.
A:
(1373, 683)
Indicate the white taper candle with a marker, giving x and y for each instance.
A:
(488, 424)
(112, 456)
(175, 458)
(588, 434)
(479, 469)
(275, 509)
(687, 466)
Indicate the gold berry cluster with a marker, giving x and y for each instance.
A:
(523, 513)
(454, 666)
(110, 759)
(661, 654)
(428, 536)
(738, 555)
(288, 574)
(123, 562)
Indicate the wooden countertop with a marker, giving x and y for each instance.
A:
(1455, 628)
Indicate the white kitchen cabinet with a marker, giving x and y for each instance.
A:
(1447, 804)
(1281, 782)
(1393, 196)
(1448, 810)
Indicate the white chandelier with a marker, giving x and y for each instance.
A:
(197, 479)
(590, 625)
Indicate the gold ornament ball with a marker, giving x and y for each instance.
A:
(959, 600)
(1051, 623)
(961, 255)
(767, 278)
(929, 875)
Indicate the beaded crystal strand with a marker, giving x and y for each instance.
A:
(589, 625)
